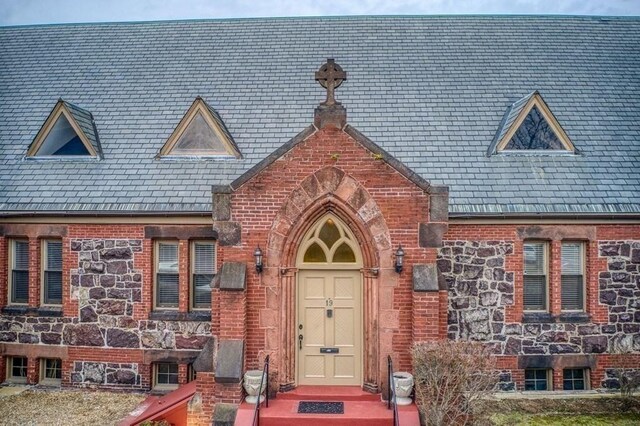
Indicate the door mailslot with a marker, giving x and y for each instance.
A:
(329, 350)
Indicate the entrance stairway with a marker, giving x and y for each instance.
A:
(360, 408)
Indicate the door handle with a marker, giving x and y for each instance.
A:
(300, 337)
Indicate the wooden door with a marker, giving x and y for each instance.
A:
(330, 323)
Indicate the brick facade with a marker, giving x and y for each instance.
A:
(483, 268)
(105, 331)
(108, 333)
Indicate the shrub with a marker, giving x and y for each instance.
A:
(451, 378)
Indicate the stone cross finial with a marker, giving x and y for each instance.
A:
(330, 76)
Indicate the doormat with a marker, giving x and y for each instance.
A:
(320, 407)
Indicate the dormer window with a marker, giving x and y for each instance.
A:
(200, 133)
(530, 127)
(69, 131)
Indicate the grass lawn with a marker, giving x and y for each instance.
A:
(598, 410)
(565, 419)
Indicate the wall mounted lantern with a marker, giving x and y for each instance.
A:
(258, 255)
(399, 259)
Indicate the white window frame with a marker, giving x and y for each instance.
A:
(165, 386)
(545, 264)
(156, 257)
(583, 258)
(48, 381)
(549, 378)
(586, 378)
(11, 260)
(192, 268)
(16, 379)
(43, 269)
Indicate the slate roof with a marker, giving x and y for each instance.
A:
(432, 91)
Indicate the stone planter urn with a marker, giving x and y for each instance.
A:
(252, 384)
(403, 387)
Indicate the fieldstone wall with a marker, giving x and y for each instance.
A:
(110, 374)
(107, 286)
(480, 288)
(620, 291)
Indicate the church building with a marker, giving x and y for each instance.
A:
(181, 200)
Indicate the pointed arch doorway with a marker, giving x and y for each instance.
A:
(329, 305)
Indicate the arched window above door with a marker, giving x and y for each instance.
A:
(329, 242)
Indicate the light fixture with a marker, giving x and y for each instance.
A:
(258, 255)
(399, 259)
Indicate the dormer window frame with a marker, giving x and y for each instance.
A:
(59, 110)
(536, 101)
(198, 106)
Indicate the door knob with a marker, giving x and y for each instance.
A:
(300, 337)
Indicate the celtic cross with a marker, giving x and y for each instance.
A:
(330, 76)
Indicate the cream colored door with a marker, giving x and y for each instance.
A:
(329, 327)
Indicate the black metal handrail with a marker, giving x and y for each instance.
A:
(391, 393)
(256, 411)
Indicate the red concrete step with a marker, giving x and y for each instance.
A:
(284, 412)
(329, 393)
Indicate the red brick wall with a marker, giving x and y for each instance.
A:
(273, 195)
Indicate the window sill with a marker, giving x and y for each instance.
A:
(531, 317)
(50, 383)
(180, 316)
(574, 317)
(45, 311)
(565, 317)
(163, 389)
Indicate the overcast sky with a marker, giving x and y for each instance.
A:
(19, 12)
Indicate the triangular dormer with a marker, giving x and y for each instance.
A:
(200, 133)
(69, 132)
(529, 126)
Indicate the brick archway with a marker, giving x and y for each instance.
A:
(329, 190)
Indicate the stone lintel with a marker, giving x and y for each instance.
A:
(556, 361)
(34, 351)
(204, 361)
(233, 276)
(557, 232)
(227, 233)
(229, 361)
(32, 230)
(426, 278)
(438, 205)
(431, 234)
(330, 115)
(221, 206)
(150, 356)
(179, 232)
(224, 414)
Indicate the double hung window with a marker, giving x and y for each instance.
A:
(573, 276)
(202, 270)
(19, 272)
(535, 276)
(51, 272)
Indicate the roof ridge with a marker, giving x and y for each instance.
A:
(332, 17)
